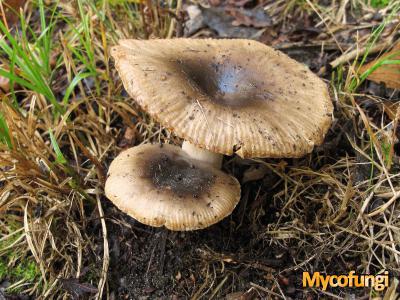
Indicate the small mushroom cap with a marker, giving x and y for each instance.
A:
(163, 186)
(227, 96)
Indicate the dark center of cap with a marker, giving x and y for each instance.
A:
(179, 176)
(225, 82)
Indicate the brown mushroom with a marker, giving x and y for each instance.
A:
(163, 186)
(227, 96)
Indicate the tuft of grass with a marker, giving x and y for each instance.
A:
(29, 57)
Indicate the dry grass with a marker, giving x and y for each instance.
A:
(336, 209)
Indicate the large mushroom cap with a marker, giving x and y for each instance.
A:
(163, 186)
(227, 96)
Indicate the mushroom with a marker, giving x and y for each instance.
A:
(227, 96)
(164, 186)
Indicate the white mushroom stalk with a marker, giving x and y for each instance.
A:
(211, 158)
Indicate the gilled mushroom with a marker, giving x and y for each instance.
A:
(227, 96)
(163, 186)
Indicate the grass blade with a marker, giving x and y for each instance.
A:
(5, 137)
(59, 156)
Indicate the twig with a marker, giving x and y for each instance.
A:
(345, 57)
(385, 206)
(219, 286)
(259, 287)
(106, 254)
(173, 21)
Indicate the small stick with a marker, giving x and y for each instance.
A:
(106, 253)
(173, 21)
(356, 52)
(259, 287)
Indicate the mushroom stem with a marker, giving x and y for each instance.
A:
(214, 159)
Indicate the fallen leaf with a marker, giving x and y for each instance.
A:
(218, 20)
(389, 74)
(195, 21)
(129, 138)
(256, 17)
(254, 173)
(77, 289)
(214, 2)
(11, 11)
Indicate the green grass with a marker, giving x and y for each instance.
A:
(60, 158)
(29, 55)
(81, 47)
(387, 153)
(381, 148)
(379, 3)
(356, 80)
(5, 137)
(29, 58)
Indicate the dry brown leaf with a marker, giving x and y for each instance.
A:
(387, 74)
(76, 288)
(254, 173)
(249, 17)
(11, 11)
(214, 2)
(128, 139)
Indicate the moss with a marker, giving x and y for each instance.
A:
(16, 266)
(3, 270)
(25, 270)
